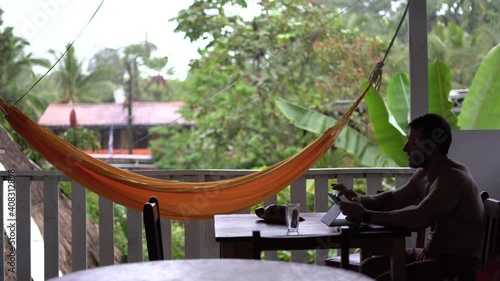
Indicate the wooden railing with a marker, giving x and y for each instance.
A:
(199, 235)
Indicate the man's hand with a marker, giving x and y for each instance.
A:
(347, 192)
(353, 211)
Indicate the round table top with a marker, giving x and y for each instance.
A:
(215, 269)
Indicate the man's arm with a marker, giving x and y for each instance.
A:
(437, 205)
(396, 199)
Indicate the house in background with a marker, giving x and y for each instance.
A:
(109, 120)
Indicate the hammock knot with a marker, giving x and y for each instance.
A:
(376, 76)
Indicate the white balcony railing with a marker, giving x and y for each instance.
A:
(199, 235)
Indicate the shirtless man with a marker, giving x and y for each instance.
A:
(441, 194)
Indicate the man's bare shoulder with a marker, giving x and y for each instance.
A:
(459, 166)
(418, 175)
(457, 177)
(457, 170)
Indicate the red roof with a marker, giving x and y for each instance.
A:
(107, 114)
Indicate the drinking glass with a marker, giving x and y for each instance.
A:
(292, 216)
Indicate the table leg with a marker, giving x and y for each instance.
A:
(344, 255)
(398, 259)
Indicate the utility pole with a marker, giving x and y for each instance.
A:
(130, 131)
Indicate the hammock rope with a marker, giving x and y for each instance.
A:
(375, 77)
(180, 200)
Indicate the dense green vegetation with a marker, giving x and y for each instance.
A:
(306, 53)
(390, 117)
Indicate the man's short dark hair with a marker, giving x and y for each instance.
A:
(434, 128)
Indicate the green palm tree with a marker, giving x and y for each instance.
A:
(16, 69)
(16, 77)
(75, 85)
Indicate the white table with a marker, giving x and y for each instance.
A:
(214, 269)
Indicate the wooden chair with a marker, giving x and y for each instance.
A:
(152, 227)
(491, 242)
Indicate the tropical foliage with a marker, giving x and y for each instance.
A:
(286, 51)
(16, 69)
(17, 76)
(82, 138)
(480, 108)
(75, 86)
(389, 117)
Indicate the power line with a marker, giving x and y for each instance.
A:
(62, 55)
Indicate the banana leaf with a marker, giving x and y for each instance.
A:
(398, 98)
(439, 92)
(480, 109)
(352, 141)
(390, 137)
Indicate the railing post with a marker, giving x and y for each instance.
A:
(298, 191)
(347, 180)
(166, 231)
(106, 232)
(271, 255)
(320, 197)
(321, 205)
(51, 226)
(206, 236)
(23, 227)
(134, 235)
(78, 227)
(373, 183)
(401, 179)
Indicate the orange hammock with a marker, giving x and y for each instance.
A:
(179, 200)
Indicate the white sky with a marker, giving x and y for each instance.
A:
(51, 24)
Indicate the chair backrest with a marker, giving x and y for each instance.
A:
(491, 242)
(152, 227)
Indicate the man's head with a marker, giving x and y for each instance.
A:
(428, 134)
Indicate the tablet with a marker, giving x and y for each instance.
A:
(334, 216)
(331, 215)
